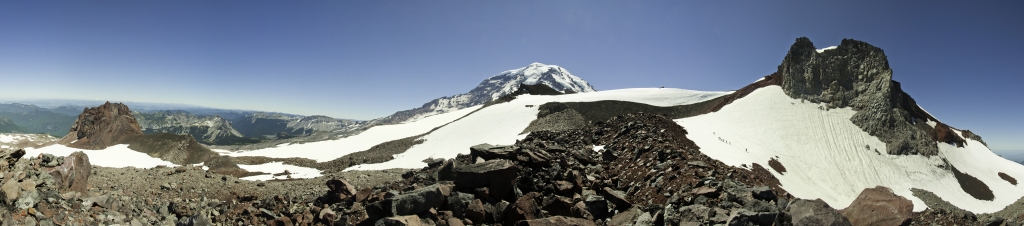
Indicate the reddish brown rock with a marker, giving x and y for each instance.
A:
(73, 175)
(100, 127)
(341, 186)
(879, 206)
(475, 211)
(364, 194)
(525, 208)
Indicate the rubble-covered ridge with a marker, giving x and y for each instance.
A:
(635, 169)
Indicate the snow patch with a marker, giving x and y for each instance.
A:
(822, 50)
(278, 167)
(6, 138)
(828, 157)
(117, 156)
(598, 148)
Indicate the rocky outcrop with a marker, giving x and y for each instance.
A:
(207, 129)
(857, 75)
(100, 127)
(879, 206)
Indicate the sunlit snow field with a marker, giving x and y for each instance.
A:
(826, 156)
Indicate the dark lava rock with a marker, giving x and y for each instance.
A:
(412, 202)
(447, 171)
(498, 176)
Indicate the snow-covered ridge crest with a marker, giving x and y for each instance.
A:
(496, 86)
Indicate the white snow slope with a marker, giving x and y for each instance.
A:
(501, 124)
(826, 156)
(323, 151)
(116, 156)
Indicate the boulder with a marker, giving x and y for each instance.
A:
(458, 202)
(525, 208)
(410, 220)
(476, 211)
(447, 171)
(743, 217)
(341, 186)
(556, 221)
(410, 203)
(597, 206)
(763, 193)
(616, 197)
(815, 212)
(73, 175)
(489, 152)
(694, 213)
(625, 217)
(498, 176)
(879, 206)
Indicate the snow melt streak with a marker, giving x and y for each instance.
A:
(826, 156)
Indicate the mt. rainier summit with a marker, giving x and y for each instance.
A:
(494, 87)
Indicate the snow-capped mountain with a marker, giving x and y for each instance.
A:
(494, 87)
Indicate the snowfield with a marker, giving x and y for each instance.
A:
(501, 124)
(117, 156)
(328, 150)
(826, 156)
(277, 167)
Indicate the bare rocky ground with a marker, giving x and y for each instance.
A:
(648, 174)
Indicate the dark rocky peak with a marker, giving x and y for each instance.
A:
(856, 74)
(102, 126)
(536, 89)
(853, 72)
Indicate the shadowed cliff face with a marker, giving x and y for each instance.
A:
(857, 75)
(100, 127)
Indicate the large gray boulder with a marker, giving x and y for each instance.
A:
(815, 212)
(410, 203)
(498, 176)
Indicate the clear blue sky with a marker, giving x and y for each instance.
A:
(367, 59)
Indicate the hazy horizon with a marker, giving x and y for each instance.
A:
(368, 59)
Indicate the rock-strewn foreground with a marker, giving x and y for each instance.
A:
(648, 174)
